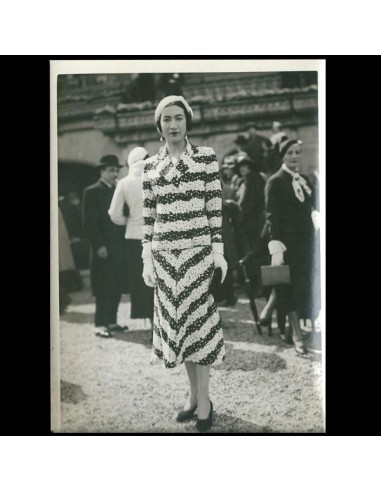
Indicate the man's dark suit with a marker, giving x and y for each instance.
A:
(108, 276)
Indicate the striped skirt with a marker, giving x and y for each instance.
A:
(187, 326)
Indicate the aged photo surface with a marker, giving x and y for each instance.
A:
(187, 246)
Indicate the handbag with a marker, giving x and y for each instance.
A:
(275, 275)
(215, 284)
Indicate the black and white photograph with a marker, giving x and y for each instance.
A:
(187, 237)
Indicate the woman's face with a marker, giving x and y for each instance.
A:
(228, 172)
(293, 156)
(244, 170)
(110, 174)
(173, 124)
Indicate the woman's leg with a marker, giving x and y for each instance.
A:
(297, 335)
(191, 368)
(267, 311)
(294, 321)
(203, 400)
(281, 320)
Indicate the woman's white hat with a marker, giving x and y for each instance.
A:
(169, 100)
(136, 154)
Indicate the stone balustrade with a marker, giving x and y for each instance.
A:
(263, 110)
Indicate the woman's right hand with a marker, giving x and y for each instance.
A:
(148, 272)
(277, 259)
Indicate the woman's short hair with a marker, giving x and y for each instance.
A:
(188, 116)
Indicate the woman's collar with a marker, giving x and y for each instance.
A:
(164, 152)
(166, 167)
(289, 171)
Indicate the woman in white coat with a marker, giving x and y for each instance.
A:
(129, 191)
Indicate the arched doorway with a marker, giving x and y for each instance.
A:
(73, 178)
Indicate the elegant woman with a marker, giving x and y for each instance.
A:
(291, 217)
(182, 247)
(129, 192)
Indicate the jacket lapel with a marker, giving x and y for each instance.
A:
(186, 159)
(167, 169)
(164, 167)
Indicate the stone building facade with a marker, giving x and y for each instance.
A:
(112, 113)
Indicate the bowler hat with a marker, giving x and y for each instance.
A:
(109, 160)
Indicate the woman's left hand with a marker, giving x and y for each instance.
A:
(220, 262)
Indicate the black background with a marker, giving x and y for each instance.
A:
(353, 150)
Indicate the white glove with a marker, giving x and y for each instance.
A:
(316, 219)
(276, 246)
(148, 272)
(220, 262)
(277, 259)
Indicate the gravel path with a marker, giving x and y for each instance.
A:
(109, 385)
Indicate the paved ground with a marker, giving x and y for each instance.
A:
(110, 385)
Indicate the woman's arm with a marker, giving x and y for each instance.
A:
(213, 207)
(91, 223)
(273, 209)
(149, 215)
(315, 214)
(213, 203)
(116, 208)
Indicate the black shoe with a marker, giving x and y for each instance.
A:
(117, 328)
(103, 333)
(265, 321)
(205, 424)
(299, 346)
(185, 415)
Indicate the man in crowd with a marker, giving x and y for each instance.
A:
(108, 267)
(237, 151)
(277, 134)
(253, 146)
(252, 215)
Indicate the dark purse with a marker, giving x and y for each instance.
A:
(215, 284)
(275, 275)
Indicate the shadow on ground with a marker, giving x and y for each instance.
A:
(227, 424)
(135, 336)
(77, 318)
(71, 393)
(247, 360)
(236, 359)
(244, 331)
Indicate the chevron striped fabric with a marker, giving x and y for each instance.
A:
(187, 326)
(182, 231)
